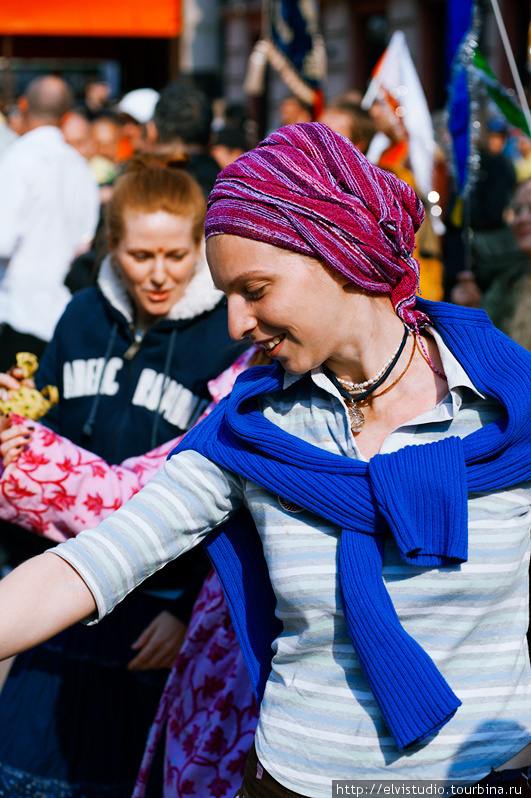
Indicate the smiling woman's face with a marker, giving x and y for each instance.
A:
(288, 303)
(156, 258)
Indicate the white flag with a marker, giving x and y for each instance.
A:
(396, 82)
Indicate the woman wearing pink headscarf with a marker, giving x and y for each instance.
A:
(366, 501)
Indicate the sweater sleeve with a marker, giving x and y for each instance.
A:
(186, 499)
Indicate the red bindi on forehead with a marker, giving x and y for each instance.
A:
(160, 250)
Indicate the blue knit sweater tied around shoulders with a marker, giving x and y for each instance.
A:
(418, 494)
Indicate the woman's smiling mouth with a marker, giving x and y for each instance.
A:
(270, 345)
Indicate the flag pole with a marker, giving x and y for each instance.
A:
(512, 63)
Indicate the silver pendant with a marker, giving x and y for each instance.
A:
(357, 419)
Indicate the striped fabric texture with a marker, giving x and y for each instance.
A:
(308, 189)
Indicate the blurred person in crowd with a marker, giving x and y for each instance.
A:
(351, 121)
(522, 164)
(136, 109)
(133, 355)
(77, 131)
(49, 213)
(97, 98)
(14, 118)
(229, 144)
(106, 136)
(390, 150)
(293, 109)
(354, 96)
(507, 299)
(104, 133)
(182, 124)
(236, 115)
(7, 136)
(497, 136)
(492, 246)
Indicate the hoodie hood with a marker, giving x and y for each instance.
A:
(200, 294)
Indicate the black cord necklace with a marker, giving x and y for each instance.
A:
(357, 419)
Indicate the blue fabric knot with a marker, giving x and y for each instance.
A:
(426, 511)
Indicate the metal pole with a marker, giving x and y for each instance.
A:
(512, 62)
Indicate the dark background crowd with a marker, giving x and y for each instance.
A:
(464, 247)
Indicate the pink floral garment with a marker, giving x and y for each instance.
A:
(57, 489)
(208, 708)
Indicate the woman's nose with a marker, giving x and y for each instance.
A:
(241, 320)
(158, 272)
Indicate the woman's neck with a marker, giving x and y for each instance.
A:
(369, 341)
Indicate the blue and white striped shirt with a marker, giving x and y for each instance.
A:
(318, 719)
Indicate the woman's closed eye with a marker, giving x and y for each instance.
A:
(140, 255)
(255, 294)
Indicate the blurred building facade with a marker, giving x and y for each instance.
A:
(211, 40)
(356, 33)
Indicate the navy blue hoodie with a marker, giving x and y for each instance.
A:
(121, 397)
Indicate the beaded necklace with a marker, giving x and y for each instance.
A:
(357, 392)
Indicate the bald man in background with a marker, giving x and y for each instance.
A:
(48, 212)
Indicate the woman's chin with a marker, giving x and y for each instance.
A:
(294, 367)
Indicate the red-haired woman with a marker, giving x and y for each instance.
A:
(131, 359)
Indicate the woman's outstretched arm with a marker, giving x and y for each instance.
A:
(85, 577)
(41, 597)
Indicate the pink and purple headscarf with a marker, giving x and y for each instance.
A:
(309, 190)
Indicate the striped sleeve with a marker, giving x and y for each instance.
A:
(186, 499)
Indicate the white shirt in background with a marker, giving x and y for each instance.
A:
(49, 209)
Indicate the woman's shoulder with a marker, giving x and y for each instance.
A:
(84, 313)
(84, 300)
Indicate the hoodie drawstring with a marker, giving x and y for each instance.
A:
(169, 355)
(89, 423)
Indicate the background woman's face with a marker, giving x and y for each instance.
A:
(156, 258)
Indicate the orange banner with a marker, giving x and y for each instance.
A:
(90, 18)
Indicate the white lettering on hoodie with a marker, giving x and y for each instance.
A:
(178, 405)
(82, 377)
